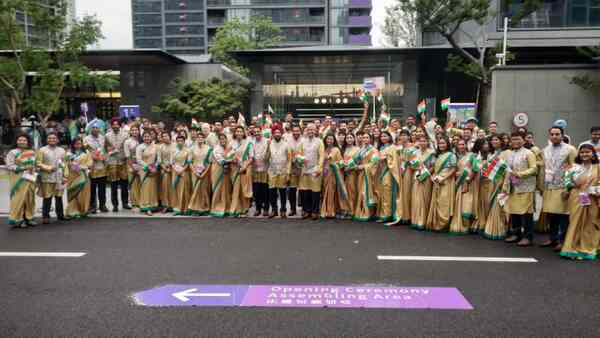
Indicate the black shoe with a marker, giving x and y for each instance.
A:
(115, 209)
(93, 211)
(64, 219)
(103, 209)
(126, 207)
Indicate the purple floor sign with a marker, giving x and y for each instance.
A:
(304, 296)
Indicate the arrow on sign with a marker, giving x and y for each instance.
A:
(185, 295)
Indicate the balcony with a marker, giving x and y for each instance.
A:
(362, 39)
(266, 3)
(216, 21)
(361, 21)
(361, 4)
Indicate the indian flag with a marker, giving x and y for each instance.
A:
(495, 169)
(422, 107)
(195, 124)
(445, 104)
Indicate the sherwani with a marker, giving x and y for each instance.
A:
(313, 151)
(97, 149)
(51, 181)
(117, 168)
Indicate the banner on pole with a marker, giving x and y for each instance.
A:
(461, 111)
(374, 84)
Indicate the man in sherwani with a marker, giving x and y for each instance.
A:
(117, 168)
(51, 162)
(95, 143)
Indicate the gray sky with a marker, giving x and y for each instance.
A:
(116, 19)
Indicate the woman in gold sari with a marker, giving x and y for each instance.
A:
(180, 161)
(365, 162)
(334, 194)
(494, 170)
(20, 163)
(148, 160)
(482, 149)
(220, 176)
(350, 174)
(79, 162)
(421, 166)
(200, 199)
(408, 153)
(241, 174)
(582, 181)
(442, 197)
(132, 168)
(466, 191)
(388, 176)
(166, 194)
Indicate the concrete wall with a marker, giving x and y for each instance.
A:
(546, 94)
(147, 89)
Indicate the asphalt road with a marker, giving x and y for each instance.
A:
(91, 296)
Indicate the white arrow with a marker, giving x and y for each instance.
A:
(184, 295)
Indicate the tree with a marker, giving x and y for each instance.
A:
(33, 76)
(399, 28)
(448, 17)
(586, 81)
(257, 33)
(204, 100)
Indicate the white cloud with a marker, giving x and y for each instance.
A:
(116, 21)
(378, 15)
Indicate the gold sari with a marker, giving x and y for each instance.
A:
(241, 178)
(583, 235)
(422, 186)
(496, 225)
(22, 188)
(166, 193)
(78, 184)
(465, 208)
(388, 176)
(220, 177)
(442, 197)
(335, 196)
(201, 185)
(368, 160)
(148, 161)
(350, 181)
(181, 159)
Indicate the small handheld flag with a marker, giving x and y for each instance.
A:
(422, 107)
(445, 104)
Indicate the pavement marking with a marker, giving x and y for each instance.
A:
(43, 254)
(305, 296)
(459, 259)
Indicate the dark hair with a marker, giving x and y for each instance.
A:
(221, 135)
(52, 133)
(492, 122)
(594, 129)
(405, 132)
(75, 140)
(167, 133)
(26, 137)
(500, 138)
(478, 145)
(589, 147)
(448, 144)
(149, 133)
(562, 131)
(335, 143)
(381, 133)
(517, 134)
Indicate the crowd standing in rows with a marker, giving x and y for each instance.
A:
(431, 177)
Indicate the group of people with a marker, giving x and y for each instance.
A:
(459, 180)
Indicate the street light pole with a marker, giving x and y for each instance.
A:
(505, 42)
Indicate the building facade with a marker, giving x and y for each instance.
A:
(555, 23)
(34, 36)
(188, 26)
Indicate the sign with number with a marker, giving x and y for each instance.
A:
(521, 120)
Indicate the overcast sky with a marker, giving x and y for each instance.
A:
(116, 19)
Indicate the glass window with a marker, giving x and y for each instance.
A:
(147, 19)
(148, 43)
(184, 17)
(556, 14)
(147, 6)
(147, 31)
(185, 30)
(185, 42)
(184, 5)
